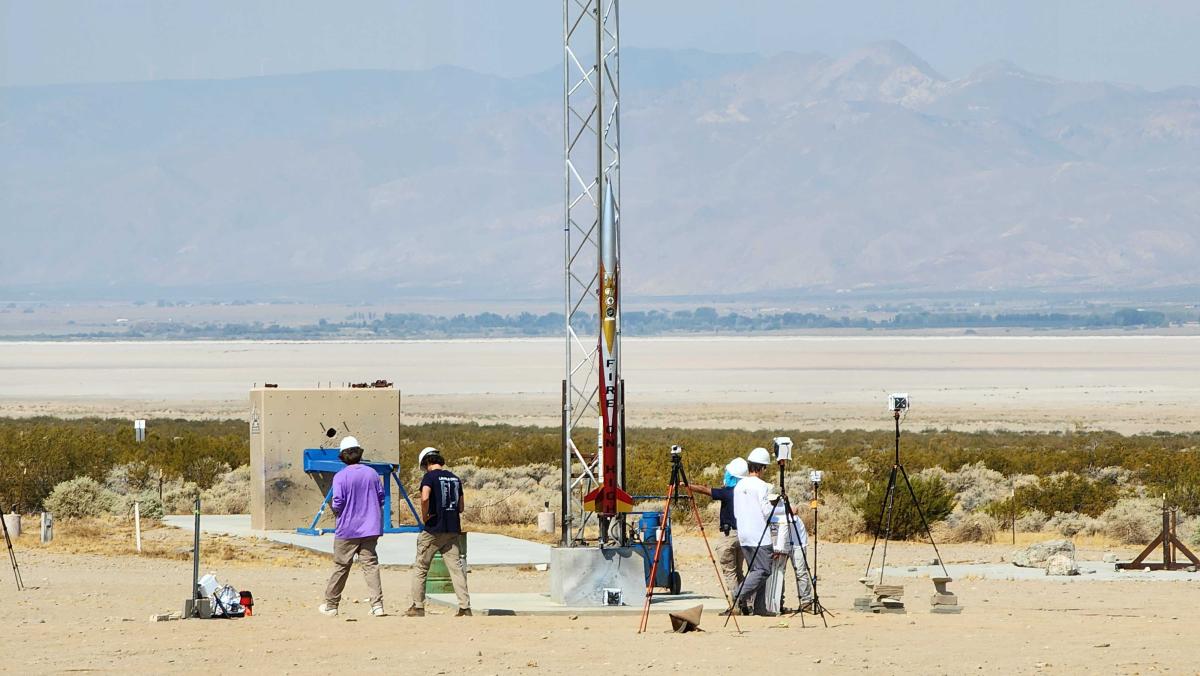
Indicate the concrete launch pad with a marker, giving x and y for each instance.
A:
(541, 604)
(398, 549)
(579, 575)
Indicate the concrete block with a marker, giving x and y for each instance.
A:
(944, 600)
(201, 608)
(862, 604)
(946, 610)
(579, 574)
(284, 422)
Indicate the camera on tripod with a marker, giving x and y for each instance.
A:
(898, 402)
(783, 449)
(676, 449)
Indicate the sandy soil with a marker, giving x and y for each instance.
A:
(89, 613)
(1126, 383)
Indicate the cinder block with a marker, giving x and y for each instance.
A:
(579, 574)
(944, 600)
(862, 604)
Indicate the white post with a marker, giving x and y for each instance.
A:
(47, 527)
(137, 525)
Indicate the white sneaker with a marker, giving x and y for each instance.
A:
(378, 611)
(327, 610)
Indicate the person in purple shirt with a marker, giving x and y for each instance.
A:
(358, 505)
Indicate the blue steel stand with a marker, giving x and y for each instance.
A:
(326, 461)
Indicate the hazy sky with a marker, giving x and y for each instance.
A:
(1154, 43)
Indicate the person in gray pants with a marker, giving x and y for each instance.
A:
(441, 510)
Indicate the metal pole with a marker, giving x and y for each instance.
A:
(565, 540)
(565, 517)
(196, 555)
(137, 525)
(1012, 497)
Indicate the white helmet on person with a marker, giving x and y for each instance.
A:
(738, 468)
(349, 442)
(759, 456)
(424, 452)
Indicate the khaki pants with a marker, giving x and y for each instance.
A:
(729, 556)
(429, 544)
(343, 558)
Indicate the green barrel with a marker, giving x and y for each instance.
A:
(438, 580)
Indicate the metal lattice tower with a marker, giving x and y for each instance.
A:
(591, 149)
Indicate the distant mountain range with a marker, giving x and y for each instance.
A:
(742, 174)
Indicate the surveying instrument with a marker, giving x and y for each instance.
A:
(898, 404)
(675, 493)
(788, 530)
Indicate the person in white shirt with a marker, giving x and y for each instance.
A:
(752, 508)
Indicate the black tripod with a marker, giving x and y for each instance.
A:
(814, 606)
(889, 499)
(12, 556)
(679, 481)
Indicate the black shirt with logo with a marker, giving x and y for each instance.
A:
(445, 501)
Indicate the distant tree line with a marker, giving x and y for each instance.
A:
(702, 320)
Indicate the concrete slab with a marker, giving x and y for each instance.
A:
(1088, 571)
(541, 604)
(483, 549)
(578, 575)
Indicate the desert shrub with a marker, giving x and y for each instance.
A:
(1069, 492)
(972, 527)
(150, 507)
(1032, 521)
(502, 508)
(1133, 521)
(935, 499)
(975, 485)
(178, 496)
(131, 477)
(1072, 523)
(230, 494)
(205, 471)
(1189, 530)
(839, 519)
(80, 498)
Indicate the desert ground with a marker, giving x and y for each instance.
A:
(1134, 383)
(90, 608)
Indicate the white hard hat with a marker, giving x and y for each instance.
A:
(759, 456)
(349, 442)
(424, 452)
(737, 467)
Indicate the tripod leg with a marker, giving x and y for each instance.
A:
(891, 512)
(12, 555)
(654, 566)
(750, 564)
(924, 523)
(883, 510)
(716, 568)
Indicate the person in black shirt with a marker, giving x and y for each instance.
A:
(441, 511)
(729, 552)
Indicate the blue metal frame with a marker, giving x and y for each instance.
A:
(326, 461)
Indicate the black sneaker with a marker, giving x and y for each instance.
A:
(463, 612)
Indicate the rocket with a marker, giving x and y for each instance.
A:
(609, 498)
